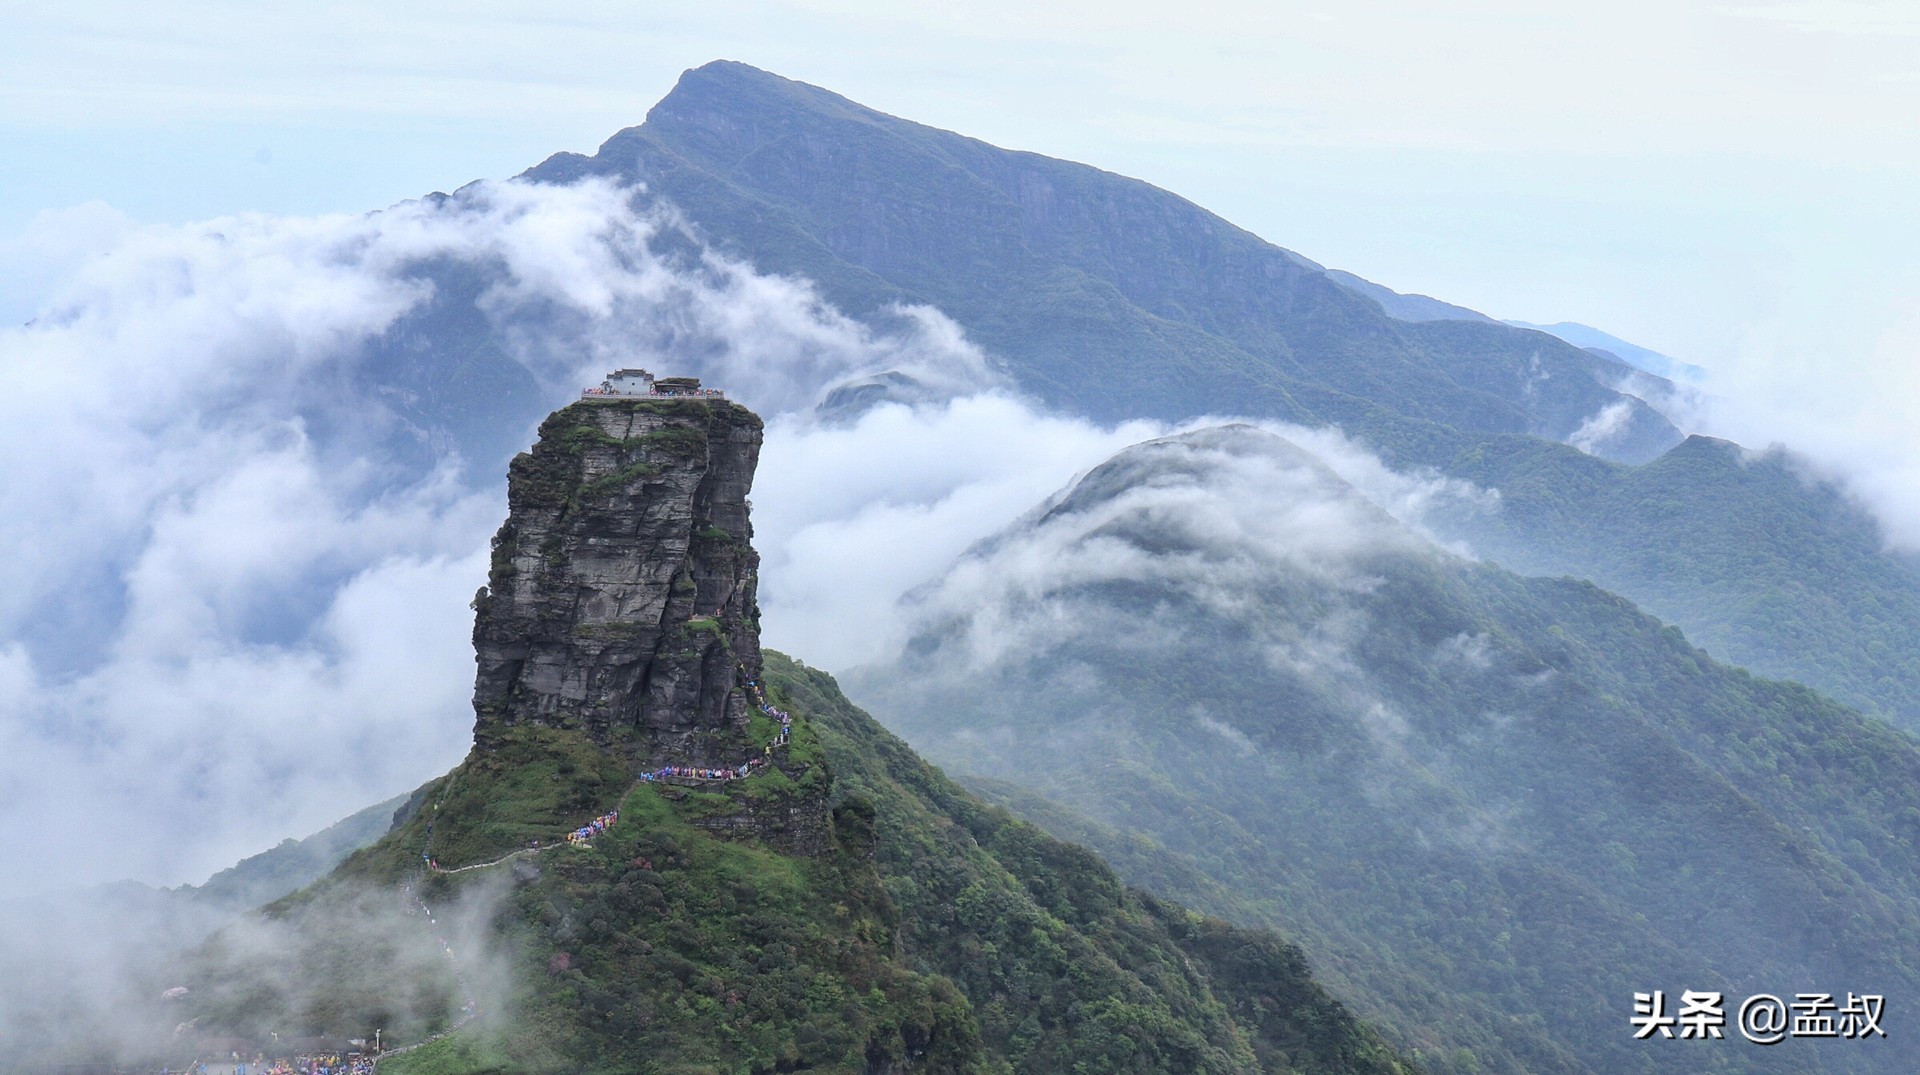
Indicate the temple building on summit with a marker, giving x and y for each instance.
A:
(628, 382)
(639, 384)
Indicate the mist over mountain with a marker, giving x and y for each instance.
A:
(91, 965)
(1638, 357)
(1102, 295)
(293, 864)
(257, 466)
(1108, 298)
(1436, 773)
(754, 888)
(264, 533)
(1762, 559)
(291, 473)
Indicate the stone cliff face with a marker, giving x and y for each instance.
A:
(621, 597)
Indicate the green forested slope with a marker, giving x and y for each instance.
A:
(1493, 808)
(947, 860)
(936, 934)
(293, 864)
(1760, 560)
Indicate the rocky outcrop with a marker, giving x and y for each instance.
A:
(798, 822)
(621, 596)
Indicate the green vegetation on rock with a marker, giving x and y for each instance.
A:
(652, 861)
(935, 934)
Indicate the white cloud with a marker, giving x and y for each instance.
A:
(1411, 498)
(1220, 518)
(850, 517)
(222, 622)
(1234, 737)
(1601, 426)
(175, 657)
(1227, 561)
(231, 616)
(1848, 419)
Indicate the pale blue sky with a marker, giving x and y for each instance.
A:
(1728, 182)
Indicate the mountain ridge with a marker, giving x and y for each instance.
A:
(1109, 299)
(732, 145)
(1117, 340)
(1096, 353)
(1430, 769)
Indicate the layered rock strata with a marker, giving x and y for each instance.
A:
(621, 596)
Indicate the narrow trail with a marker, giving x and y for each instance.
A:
(581, 838)
(503, 858)
(469, 1008)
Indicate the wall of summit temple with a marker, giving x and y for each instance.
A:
(620, 601)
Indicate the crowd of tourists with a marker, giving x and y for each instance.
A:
(591, 829)
(580, 837)
(746, 768)
(696, 772)
(329, 1064)
(760, 702)
(668, 392)
(316, 1064)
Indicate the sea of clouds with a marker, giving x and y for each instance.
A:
(234, 605)
(231, 613)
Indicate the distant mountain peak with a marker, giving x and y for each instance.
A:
(1640, 358)
(1196, 457)
(1098, 294)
